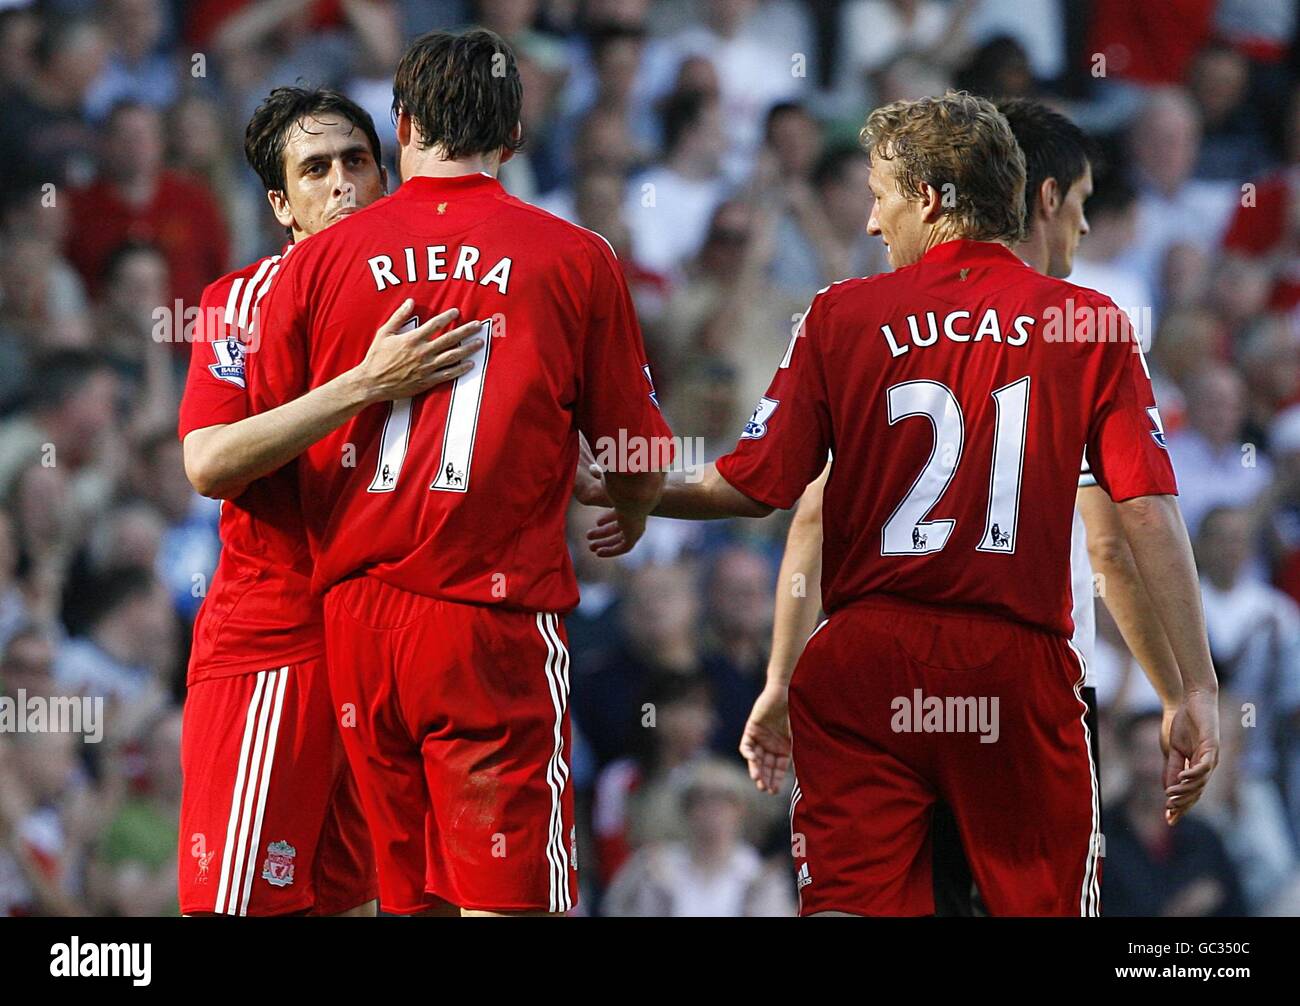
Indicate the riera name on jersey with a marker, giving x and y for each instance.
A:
(433, 264)
(956, 326)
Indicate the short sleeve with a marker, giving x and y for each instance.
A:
(278, 345)
(617, 400)
(787, 440)
(215, 393)
(1126, 450)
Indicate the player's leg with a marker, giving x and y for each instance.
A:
(1027, 803)
(955, 895)
(492, 710)
(259, 770)
(346, 880)
(861, 808)
(385, 761)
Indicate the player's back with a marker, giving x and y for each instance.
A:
(958, 404)
(460, 493)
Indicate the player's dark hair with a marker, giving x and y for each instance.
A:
(268, 130)
(462, 92)
(60, 374)
(1054, 147)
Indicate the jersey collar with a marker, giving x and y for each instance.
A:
(965, 250)
(429, 187)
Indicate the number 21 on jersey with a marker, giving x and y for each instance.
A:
(458, 435)
(907, 532)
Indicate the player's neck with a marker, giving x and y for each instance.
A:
(427, 164)
(1033, 251)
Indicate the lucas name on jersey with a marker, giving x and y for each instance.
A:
(955, 327)
(433, 264)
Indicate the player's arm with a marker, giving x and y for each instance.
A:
(1127, 454)
(617, 403)
(1162, 552)
(1128, 601)
(221, 460)
(784, 446)
(765, 741)
(796, 611)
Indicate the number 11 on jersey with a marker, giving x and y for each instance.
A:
(458, 434)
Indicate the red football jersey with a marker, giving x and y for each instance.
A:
(461, 492)
(958, 395)
(259, 611)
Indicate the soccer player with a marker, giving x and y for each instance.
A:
(959, 392)
(442, 551)
(270, 823)
(1058, 183)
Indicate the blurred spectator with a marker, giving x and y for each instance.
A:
(727, 310)
(657, 634)
(1151, 868)
(69, 427)
(48, 140)
(1112, 227)
(1173, 207)
(136, 70)
(1247, 811)
(1254, 634)
(754, 68)
(822, 236)
(1234, 145)
(999, 69)
(874, 32)
(713, 872)
(669, 206)
(638, 798)
(1213, 466)
(738, 593)
(138, 198)
(1150, 44)
(133, 871)
(129, 644)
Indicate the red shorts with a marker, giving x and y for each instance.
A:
(455, 720)
(270, 819)
(890, 708)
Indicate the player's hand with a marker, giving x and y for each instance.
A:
(589, 480)
(1166, 727)
(402, 364)
(765, 743)
(1193, 752)
(616, 533)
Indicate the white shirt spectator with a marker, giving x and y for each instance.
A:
(669, 215)
(1210, 477)
(663, 880)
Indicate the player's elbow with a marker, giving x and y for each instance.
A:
(205, 471)
(1109, 552)
(639, 491)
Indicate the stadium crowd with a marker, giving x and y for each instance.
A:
(713, 142)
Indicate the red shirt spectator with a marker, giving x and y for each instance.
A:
(136, 198)
(1150, 43)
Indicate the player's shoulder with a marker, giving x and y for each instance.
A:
(552, 231)
(220, 290)
(831, 299)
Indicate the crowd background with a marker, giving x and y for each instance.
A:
(713, 143)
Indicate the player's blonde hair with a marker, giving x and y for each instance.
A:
(962, 146)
